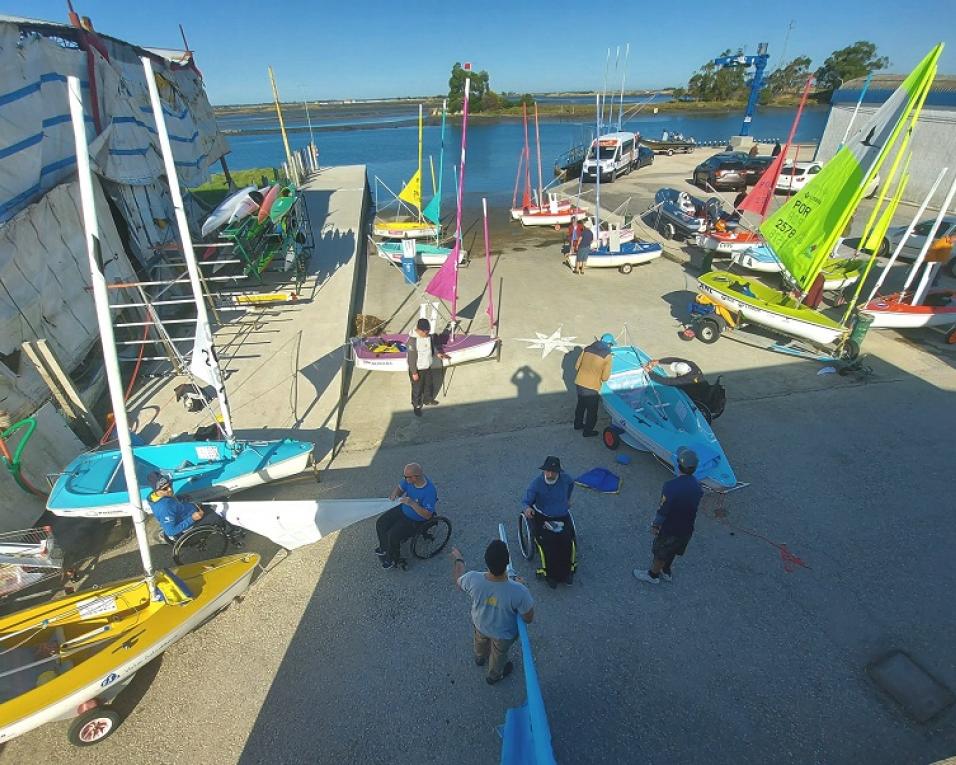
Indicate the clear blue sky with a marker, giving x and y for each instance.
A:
(376, 48)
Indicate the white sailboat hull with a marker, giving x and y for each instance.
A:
(399, 362)
(618, 259)
(66, 707)
(786, 325)
(745, 259)
(556, 219)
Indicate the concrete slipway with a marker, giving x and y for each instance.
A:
(746, 657)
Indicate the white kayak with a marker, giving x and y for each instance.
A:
(295, 523)
(228, 208)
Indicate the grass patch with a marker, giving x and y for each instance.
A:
(213, 191)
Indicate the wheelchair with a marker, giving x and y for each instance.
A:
(429, 539)
(203, 541)
(526, 541)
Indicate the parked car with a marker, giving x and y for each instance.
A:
(914, 244)
(754, 167)
(722, 171)
(794, 177)
(644, 157)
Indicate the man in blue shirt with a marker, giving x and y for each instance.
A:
(417, 497)
(547, 501)
(176, 516)
(674, 523)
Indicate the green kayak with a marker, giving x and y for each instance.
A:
(284, 202)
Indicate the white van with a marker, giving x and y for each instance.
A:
(618, 155)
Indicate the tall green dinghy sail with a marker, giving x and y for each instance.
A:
(432, 211)
(804, 231)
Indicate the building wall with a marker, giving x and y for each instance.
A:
(933, 146)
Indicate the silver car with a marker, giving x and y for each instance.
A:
(918, 238)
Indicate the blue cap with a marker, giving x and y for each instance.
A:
(607, 338)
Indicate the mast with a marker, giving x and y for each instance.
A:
(526, 201)
(101, 300)
(461, 189)
(285, 138)
(441, 156)
(491, 298)
(598, 108)
(419, 162)
(204, 342)
(537, 138)
(856, 110)
(906, 235)
(620, 112)
(920, 292)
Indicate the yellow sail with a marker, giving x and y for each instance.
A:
(412, 193)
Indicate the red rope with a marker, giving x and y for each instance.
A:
(129, 387)
(790, 561)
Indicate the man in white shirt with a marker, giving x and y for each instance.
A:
(424, 356)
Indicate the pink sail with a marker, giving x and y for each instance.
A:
(758, 200)
(444, 284)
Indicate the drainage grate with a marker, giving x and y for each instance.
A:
(920, 694)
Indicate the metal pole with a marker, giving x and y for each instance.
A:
(856, 109)
(906, 235)
(285, 138)
(920, 291)
(202, 319)
(103, 319)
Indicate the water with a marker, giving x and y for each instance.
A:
(390, 151)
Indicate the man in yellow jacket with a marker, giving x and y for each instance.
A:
(594, 367)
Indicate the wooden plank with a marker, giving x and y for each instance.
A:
(61, 385)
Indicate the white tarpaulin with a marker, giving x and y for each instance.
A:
(45, 287)
(36, 141)
(292, 524)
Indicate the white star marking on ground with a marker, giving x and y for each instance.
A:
(548, 343)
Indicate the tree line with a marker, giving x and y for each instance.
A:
(713, 83)
(482, 97)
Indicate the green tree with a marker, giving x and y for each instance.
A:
(456, 89)
(848, 63)
(789, 79)
(526, 100)
(713, 83)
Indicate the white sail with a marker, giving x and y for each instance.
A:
(295, 523)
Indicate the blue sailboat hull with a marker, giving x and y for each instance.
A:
(94, 485)
(661, 418)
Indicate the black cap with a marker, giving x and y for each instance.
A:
(163, 482)
(424, 325)
(552, 464)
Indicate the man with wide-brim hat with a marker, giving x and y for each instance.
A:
(546, 505)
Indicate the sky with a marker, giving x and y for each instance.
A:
(376, 49)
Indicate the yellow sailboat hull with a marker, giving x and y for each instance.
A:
(404, 229)
(57, 656)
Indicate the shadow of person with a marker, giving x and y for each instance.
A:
(569, 367)
(526, 380)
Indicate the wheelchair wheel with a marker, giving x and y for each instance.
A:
(199, 544)
(432, 538)
(525, 537)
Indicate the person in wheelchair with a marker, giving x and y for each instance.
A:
(547, 502)
(176, 517)
(417, 497)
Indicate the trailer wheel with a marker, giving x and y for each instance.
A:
(851, 349)
(708, 330)
(626, 268)
(93, 726)
(670, 152)
(611, 438)
(667, 230)
(951, 336)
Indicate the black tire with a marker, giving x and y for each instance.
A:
(668, 231)
(525, 538)
(708, 330)
(200, 543)
(626, 268)
(93, 726)
(707, 264)
(851, 349)
(611, 438)
(884, 248)
(432, 538)
(704, 410)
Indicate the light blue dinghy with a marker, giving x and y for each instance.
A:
(661, 419)
(93, 485)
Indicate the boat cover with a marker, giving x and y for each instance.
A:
(601, 480)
